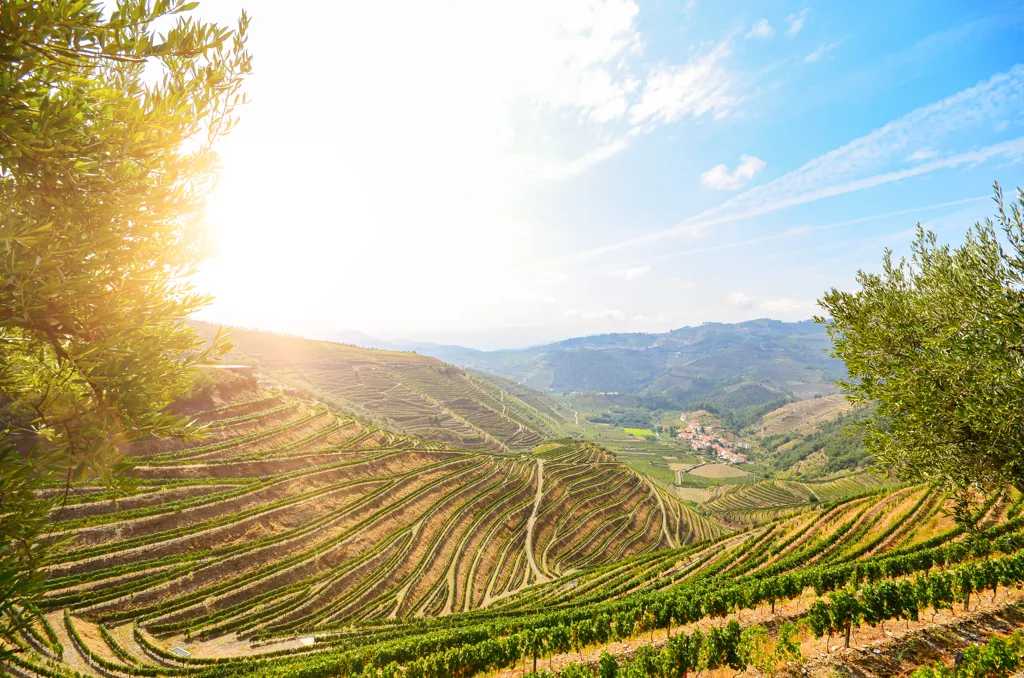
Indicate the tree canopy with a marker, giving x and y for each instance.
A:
(107, 135)
(935, 344)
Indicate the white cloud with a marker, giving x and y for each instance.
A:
(697, 88)
(633, 273)
(761, 29)
(739, 300)
(796, 21)
(877, 158)
(817, 54)
(585, 66)
(559, 171)
(923, 154)
(720, 178)
(576, 55)
(602, 314)
(785, 305)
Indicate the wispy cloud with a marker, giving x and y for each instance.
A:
(796, 21)
(761, 29)
(559, 171)
(720, 178)
(923, 154)
(817, 54)
(802, 230)
(633, 273)
(591, 70)
(874, 159)
(697, 88)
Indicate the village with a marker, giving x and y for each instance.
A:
(709, 440)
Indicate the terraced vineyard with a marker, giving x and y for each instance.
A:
(296, 542)
(417, 395)
(290, 519)
(240, 626)
(767, 500)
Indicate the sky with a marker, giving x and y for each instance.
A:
(498, 174)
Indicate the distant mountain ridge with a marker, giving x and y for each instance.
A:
(688, 363)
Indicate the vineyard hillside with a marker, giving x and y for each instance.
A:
(289, 518)
(802, 417)
(294, 540)
(405, 391)
(351, 551)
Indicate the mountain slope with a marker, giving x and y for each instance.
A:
(416, 394)
(335, 522)
(683, 365)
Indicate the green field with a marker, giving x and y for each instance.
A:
(650, 467)
(639, 432)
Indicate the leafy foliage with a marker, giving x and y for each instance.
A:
(103, 178)
(624, 417)
(998, 658)
(936, 343)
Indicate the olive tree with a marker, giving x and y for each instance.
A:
(934, 343)
(107, 154)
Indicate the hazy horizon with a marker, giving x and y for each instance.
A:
(497, 339)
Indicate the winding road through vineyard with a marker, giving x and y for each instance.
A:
(295, 541)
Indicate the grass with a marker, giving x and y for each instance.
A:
(649, 467)
(639, 432)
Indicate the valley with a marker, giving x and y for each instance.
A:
(297, 538)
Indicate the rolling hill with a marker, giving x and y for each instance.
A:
(682, 365)
(405, 391)
(290, 518)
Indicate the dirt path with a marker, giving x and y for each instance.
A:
(230, 645)
(532, 520)
(577, 416)
(664, 513)
(898, 652)
(73, 657)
